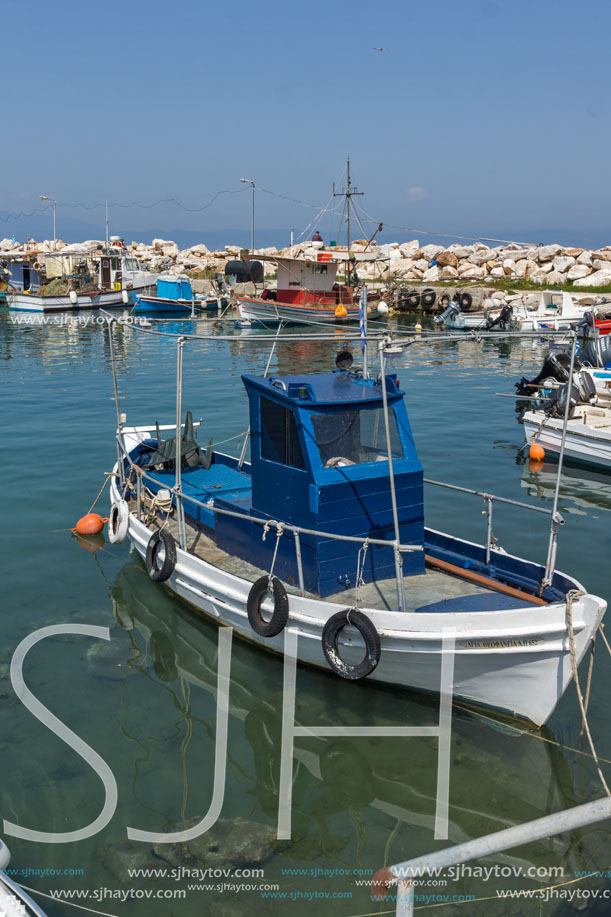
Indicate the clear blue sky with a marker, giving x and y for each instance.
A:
(477, 117)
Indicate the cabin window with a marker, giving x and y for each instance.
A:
(320, 269)
(279, 436)
(357, 436)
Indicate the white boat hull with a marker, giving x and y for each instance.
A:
(267, 310)
(517, 661)
(584, 442)
(34, 302)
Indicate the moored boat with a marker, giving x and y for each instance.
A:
(335, 556)
(80, 279)
(14, 901)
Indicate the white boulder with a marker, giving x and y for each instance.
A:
(578, 271)
(547, 252)
(600, 278)
(432, 274)
(563, 262)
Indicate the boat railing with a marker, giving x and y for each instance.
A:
(489, 500)
(404, 876)
(180, 498)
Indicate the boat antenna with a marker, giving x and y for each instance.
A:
(106, 223)
(349, 192)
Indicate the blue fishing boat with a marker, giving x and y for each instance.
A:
(174, 294)
(318, 546)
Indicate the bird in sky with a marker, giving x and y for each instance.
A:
(377, 49)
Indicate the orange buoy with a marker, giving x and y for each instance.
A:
(536, 465)
(536, 452)
(91, 524)
(341, 311)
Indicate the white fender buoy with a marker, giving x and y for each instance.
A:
(382, 308)
(125, 297)
(73, 297)
(118, 521)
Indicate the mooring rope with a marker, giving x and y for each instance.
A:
(571, 596)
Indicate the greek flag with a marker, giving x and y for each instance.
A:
(362, 322)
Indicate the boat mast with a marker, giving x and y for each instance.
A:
(348, 192)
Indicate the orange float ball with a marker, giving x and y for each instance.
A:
(535, 465)
(91, 524)
(341, 311)
(536, 452)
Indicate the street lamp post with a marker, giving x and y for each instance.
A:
(252, 218)
(44, 197)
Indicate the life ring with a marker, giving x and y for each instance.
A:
(428, 298)
(118, 522)
(37, 266)
(160, 572)
(367, 631)
(163, 657)
(465, 300)
(280, 616)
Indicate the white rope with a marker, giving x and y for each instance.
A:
(360, 569)
(279, 533)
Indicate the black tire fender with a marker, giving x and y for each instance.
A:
(465, 301)
(443, 302)
(157, 541)
(259, 590)
(412, 299)
(428, 298)
(366, 628)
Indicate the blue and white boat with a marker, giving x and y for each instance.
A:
(320, 540)
(174, 294)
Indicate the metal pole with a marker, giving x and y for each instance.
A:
(556, 518)
(178, 476)
(106, 222)
(54, 226)
(113, 365)
(252, 221)
(365, 360)
(267, 366)
(299, 561)
(540, 829)
(393, 496)
(138, 497)
(488, 510)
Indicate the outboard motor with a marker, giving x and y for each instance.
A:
(556, 403)
(596, 353)
(504, 319)
(555, 366)
(586, 323)
(451, 312)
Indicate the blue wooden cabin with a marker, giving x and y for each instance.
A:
(319, 460)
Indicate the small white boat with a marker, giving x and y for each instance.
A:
(549, 313)
(588, 434)
(14, 901)
(347, 565)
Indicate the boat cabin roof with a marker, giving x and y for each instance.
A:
(328, 389)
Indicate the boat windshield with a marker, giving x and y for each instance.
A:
(355, 437)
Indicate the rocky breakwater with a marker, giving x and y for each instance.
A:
(409, 262)
(548, 265)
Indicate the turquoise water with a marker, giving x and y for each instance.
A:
(145, 701)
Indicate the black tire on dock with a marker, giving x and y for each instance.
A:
(330, 635)
(465, 301)
(160, 571)
(444, 301)
(259, 590)
(412, 300)
(428, 298)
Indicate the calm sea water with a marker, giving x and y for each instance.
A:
(145, 701)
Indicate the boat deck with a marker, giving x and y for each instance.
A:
(433, 591)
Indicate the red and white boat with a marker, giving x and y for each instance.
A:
(308, 290)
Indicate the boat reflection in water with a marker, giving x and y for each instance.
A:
(352, 797)
(580, 488)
